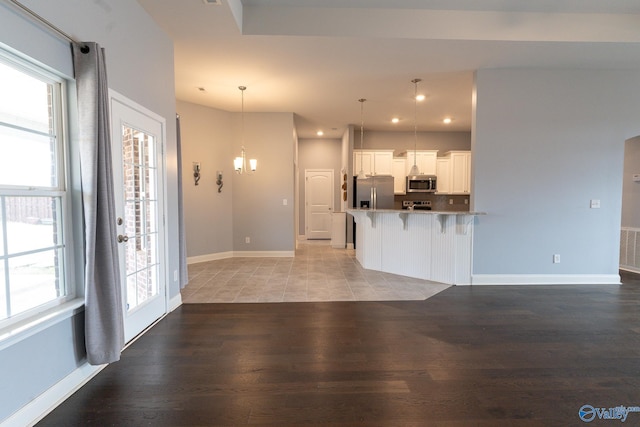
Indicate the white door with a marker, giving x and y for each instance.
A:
(137, 139)
(319, 202)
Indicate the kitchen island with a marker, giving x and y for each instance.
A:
(430, 245)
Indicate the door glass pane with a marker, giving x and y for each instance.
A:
(141, 215)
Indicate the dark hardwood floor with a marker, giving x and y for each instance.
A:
(469, 356)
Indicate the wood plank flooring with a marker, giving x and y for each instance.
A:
(468, 356)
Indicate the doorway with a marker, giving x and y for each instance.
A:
(137, 141)
(630, 222)
(318, 192)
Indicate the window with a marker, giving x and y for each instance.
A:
(33, 198)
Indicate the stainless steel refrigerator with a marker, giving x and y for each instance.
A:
(374, 192)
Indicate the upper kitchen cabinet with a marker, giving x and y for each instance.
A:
(454, 172)
(373, 162)
(424, 159)
(399, 175)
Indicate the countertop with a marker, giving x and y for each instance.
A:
(417, 211)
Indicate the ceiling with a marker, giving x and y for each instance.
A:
(316, 58)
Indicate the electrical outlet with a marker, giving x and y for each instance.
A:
(285, 202)
(594, 204)
(556, 258)
(247, 239)
(450, 201)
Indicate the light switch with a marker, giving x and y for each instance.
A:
(594, 204)
(284, 202)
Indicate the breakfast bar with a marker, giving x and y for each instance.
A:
(428, 245)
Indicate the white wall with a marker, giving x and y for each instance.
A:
(545, 143)
(140, 67)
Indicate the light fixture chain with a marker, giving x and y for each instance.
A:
(415, 123)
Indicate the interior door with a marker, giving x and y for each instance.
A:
(319, 203)
(137, 139)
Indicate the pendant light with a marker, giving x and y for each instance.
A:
(414, 169)
(361, 174)
(240, 163)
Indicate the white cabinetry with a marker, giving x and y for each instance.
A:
(399, 175)
(373, 162)
(454, 173)
(443, 172)
(424, 159)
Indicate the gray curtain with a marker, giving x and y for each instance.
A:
(104, 328)
(182, 238)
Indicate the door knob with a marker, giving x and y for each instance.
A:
(122, 238)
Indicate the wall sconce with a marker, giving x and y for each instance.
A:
(219, 182)
(196, 172)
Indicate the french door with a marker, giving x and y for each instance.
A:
(137, 138)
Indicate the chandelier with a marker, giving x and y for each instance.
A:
(240, 162)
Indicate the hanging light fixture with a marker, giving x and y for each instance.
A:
(414, 169)
(240, 163)
(361, 174)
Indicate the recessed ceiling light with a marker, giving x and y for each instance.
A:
(420, 97)
(395, 120)
(214, 2)
(319, 133)
(447, 120)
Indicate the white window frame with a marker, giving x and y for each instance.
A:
(70, 302)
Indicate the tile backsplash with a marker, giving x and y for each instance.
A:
(439, 202)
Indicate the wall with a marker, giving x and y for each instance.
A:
(319, 154)
(546, 142)
(403, 141)
(259, 211)
(206, 137)
(630, 189)
(250, 205)
(140, 67)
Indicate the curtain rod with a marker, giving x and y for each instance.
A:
(34, 16)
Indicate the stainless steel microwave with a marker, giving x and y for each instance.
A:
(421, 184)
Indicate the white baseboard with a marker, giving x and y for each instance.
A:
(545, 279)
(209, 257)
(175, 302)
(39, 407)
(240, 254)
(264, 254)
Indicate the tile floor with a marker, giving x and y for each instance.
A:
(317, 273)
